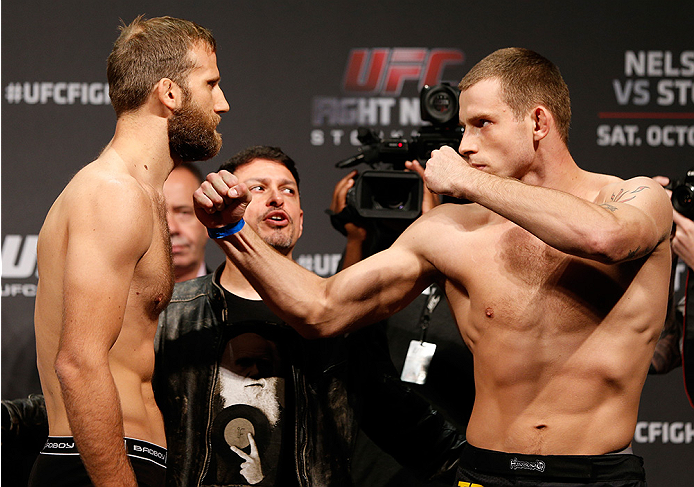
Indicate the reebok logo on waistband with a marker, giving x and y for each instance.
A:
(537, 465)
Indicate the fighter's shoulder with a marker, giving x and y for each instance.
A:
(102, 185)
(619, 190)
(643, 193)
(106, 205)
(466, 216)
(447, 221)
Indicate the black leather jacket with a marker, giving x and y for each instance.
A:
(188, 346)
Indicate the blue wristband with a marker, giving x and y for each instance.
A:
(226, 230)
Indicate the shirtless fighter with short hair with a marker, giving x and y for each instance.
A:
(557, 278)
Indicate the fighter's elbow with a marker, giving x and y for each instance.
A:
(600, 246)
(619, 244)
(323, 316)
(71, 367)
(66, 367)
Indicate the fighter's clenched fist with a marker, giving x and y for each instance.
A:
(445, 171)
(221, 199)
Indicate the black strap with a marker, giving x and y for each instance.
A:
(432, 301)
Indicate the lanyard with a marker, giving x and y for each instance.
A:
(435, 295)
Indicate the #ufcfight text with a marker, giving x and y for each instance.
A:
(59, 93)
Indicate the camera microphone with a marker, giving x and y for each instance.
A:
(351, 161)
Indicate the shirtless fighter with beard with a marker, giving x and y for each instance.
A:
(104, 261)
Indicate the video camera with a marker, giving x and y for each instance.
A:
(388, 191)
(683, 195)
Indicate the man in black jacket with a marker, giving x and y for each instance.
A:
(676, 344)
(229, 376)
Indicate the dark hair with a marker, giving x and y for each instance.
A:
(249, 154)
(148, 50)
(527, 80)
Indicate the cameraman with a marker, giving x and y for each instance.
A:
(449, 385)
(362, 238)
(668, 352)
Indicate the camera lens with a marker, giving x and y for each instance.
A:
(393, 195)
(439, 104)
(388, 194)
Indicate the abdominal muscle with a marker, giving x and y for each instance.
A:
(141, 416)
(131, 361)
(543, 390)
(561, 345)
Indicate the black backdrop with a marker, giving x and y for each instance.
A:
(285, 72)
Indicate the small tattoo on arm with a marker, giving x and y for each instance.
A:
(622, 193)
(609, 207)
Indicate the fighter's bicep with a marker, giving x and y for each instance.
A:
(374, 288)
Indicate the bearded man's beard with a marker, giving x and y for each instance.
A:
(278, 241)
(281, 239)
(192, 134)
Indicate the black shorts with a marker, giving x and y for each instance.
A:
(59, 464)
(487, 468)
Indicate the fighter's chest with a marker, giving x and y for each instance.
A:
(509, 275)
(499, 252)
(154, 277)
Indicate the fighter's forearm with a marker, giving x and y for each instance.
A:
(361, 294)
(604, 232)
(96, 421)
(298, 296)
(315, 306)
(291, 291)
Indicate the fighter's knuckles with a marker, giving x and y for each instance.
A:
(220, 186)
(210, 192)
(228, 178)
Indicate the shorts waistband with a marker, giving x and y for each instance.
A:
(65, 445)
(585, 467)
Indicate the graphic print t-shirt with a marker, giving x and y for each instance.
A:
(250, 410)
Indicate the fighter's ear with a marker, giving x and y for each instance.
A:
(169, 93)
(542, 119)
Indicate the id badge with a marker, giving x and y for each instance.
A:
(417, 362)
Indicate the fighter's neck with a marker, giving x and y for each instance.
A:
(558, 171)
(143, 146)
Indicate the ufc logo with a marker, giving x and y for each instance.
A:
(385, 70)
(19, 259)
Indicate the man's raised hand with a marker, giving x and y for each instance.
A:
(221, 200)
